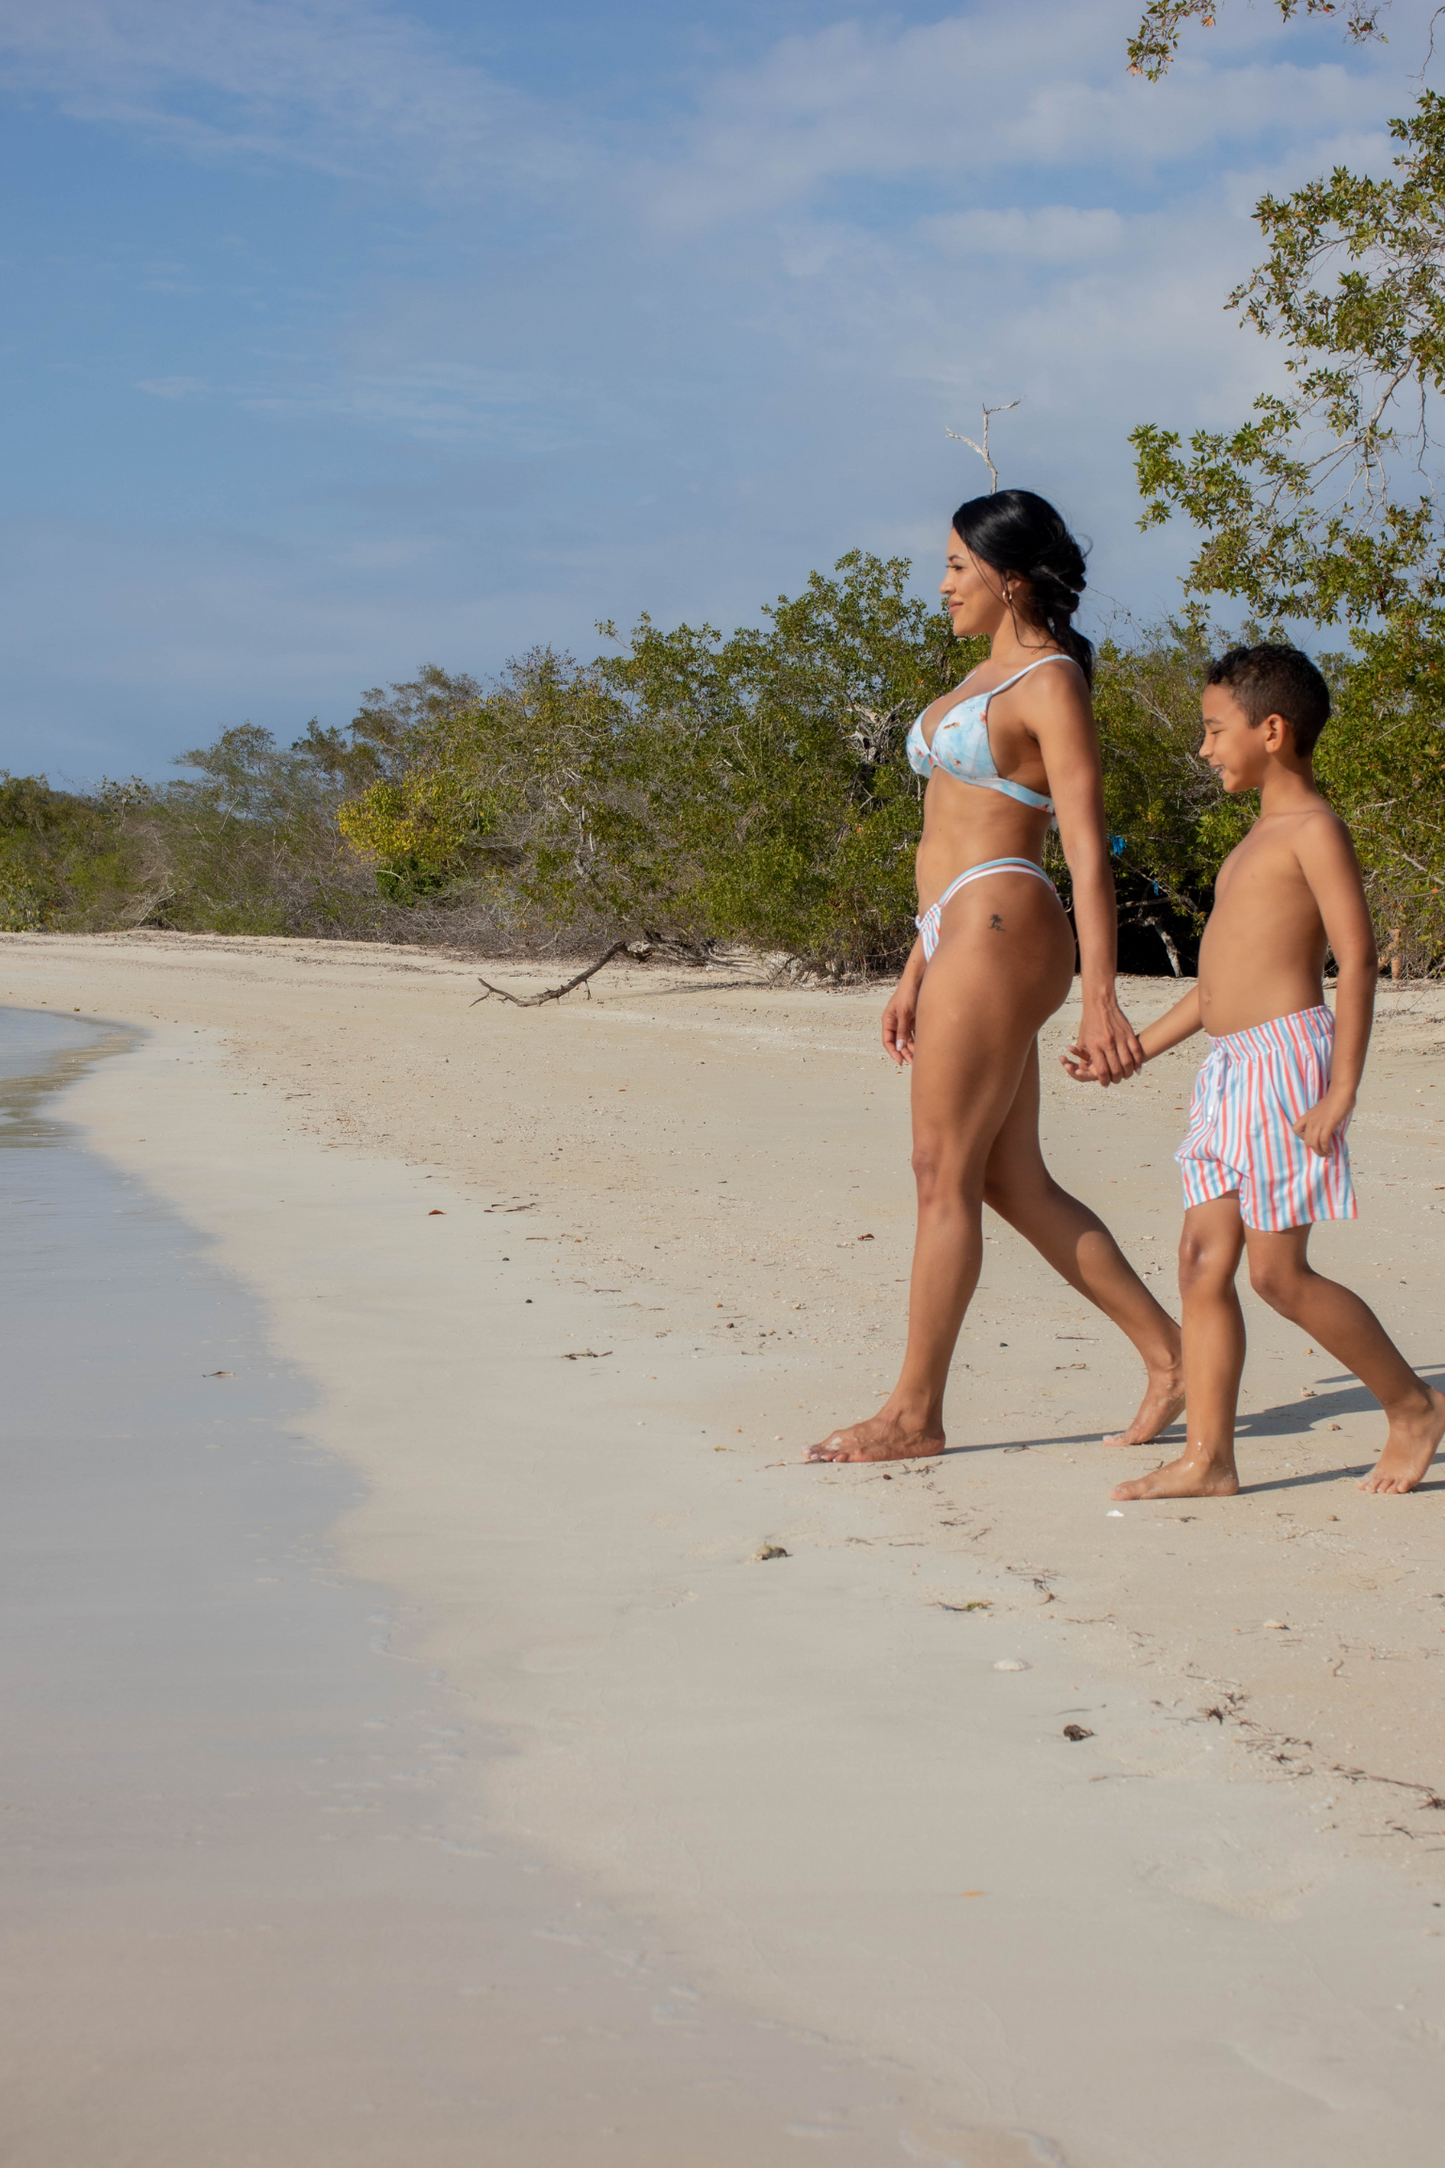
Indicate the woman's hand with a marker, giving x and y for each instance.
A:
(898, 1020)
(1107, 1042)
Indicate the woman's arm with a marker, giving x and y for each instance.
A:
(1180, 1022)
(1062, 721)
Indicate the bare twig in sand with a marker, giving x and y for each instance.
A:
(552, 993)
(644, 948)
(1429, 1796)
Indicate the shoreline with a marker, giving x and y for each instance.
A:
(227, 1784)
(721, 1740)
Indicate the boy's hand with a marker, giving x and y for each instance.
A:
(1079, 1065)
(1319, 1126)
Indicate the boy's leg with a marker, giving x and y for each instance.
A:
(1209, 1253)
(1281, 1273)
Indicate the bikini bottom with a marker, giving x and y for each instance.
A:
(931, 922)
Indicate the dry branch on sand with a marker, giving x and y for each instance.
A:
(647, 950)
(552, 993)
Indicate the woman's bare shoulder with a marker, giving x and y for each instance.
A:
(1058, 692)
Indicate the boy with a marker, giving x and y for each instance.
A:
(1265, 1153)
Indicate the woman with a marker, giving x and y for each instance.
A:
(1014, 747)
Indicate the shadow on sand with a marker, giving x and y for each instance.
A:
(1296, 1420)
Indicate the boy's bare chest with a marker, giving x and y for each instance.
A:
(1260, 873)
(1264, 944)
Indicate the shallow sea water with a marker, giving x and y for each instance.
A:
(246, 1922)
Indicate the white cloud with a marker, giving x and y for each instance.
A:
(971, 95)
(348, 86)
(335, 84)
(735, 356)
(1055, 233)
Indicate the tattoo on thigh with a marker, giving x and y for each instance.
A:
(995, 924)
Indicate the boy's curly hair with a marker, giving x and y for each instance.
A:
(1273, 678)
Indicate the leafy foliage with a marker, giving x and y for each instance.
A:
(1382, 763)
(1324, 507)
(63, 860)
(692, 786)
(1314, 509)
(688, 788)
(1154, 45)
(248, 843)
(1172, 824)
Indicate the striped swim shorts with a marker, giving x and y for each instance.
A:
(1254, 1085)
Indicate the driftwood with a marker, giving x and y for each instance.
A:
(641, 950)
(1173, 953)
(553, 993)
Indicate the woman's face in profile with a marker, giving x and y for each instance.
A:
(972, 592)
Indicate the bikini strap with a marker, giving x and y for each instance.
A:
(1057, 656)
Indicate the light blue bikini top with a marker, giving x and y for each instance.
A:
(961, 748)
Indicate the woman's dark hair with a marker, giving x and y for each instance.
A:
(1015, 531)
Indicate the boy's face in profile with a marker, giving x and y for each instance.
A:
(1237, 750)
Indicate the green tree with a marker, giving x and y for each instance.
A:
(1154, 45)
(1315, 509)
(798, 815)
(692, 787)
(1323, 509)
(1171, 823)
(247, 843)
(65, 861)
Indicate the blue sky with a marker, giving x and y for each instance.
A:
(343, 336)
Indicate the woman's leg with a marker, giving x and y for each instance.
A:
(1075, 1241)
(979, 1011)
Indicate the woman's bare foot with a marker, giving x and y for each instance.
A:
(1193, 1475)
(882, 1437)
(1163, 1404)
(1409, 1449)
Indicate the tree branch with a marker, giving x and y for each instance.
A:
(553, 993)
(982, 449)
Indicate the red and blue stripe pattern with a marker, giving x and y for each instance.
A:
(1254, 1085)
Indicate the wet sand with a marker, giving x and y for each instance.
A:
(1208, 1930)
(248, 1911)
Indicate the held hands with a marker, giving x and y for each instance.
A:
(1079, 1066)
(1318, 1126)
(1107, 1049)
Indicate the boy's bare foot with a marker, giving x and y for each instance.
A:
(1409, 1449)
(1163, 1404)
(1193, 1475)
(881, 1437)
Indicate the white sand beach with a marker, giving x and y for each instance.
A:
(576, 1286)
